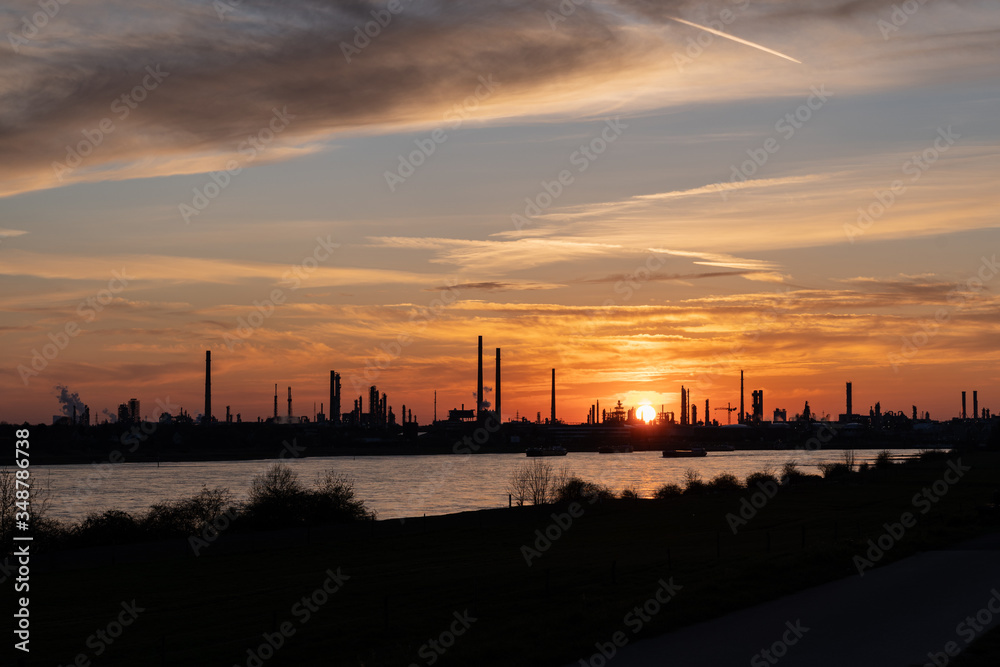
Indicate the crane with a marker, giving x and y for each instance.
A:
(729, 412)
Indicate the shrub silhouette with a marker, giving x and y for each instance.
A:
(668, 491)
(726, 483)
(578, 490)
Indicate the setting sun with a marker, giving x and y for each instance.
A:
(646, 413)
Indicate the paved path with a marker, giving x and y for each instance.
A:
(892, 617)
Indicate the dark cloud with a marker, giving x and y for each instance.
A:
(495, 286)
(225, 77)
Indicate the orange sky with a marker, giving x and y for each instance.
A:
(624, 197)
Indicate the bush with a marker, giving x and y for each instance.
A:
(577, 490)
(834, 470)
(726, 483)
(883, 459)
(334, 500)
(181, 518)
(765, 477)
(110, 527)
(278, 499)
(668, 491)
(692, 482)
(629, 493)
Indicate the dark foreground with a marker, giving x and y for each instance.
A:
(458, 590)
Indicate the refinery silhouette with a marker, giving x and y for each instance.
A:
(358, 425)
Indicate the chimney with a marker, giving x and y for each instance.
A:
(963, 405)
(289, 402)
(275, 401)
(496, 392)
(741, 397)
(479, 383)
(335, 405)
(684, 412)
(975, 405)
(850, 401)
(208, 386)
(553, 418)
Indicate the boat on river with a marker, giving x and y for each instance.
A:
(554, 450)
(682, 453)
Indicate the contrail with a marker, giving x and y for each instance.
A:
(735, 39)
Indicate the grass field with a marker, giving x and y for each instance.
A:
(406, 581)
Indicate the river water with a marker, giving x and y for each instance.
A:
(400, 486)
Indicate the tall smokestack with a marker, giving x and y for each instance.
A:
(479, 383)
(335, 406)
(963, 405)
(975, 404)
(276, 401)
(208, 386)
(741, 397)
(684, 411)
(333, 391)
(289, 401)
(496, 392)
(850, 400)
(553, 418)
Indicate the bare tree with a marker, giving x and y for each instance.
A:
(535, 481)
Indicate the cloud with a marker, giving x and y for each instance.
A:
(195, 269)
(495, 286)
(224, 77)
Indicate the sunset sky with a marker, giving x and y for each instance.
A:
(707, 219)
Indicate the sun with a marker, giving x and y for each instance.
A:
(646, 413)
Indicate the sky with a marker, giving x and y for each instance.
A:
(641, 195)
